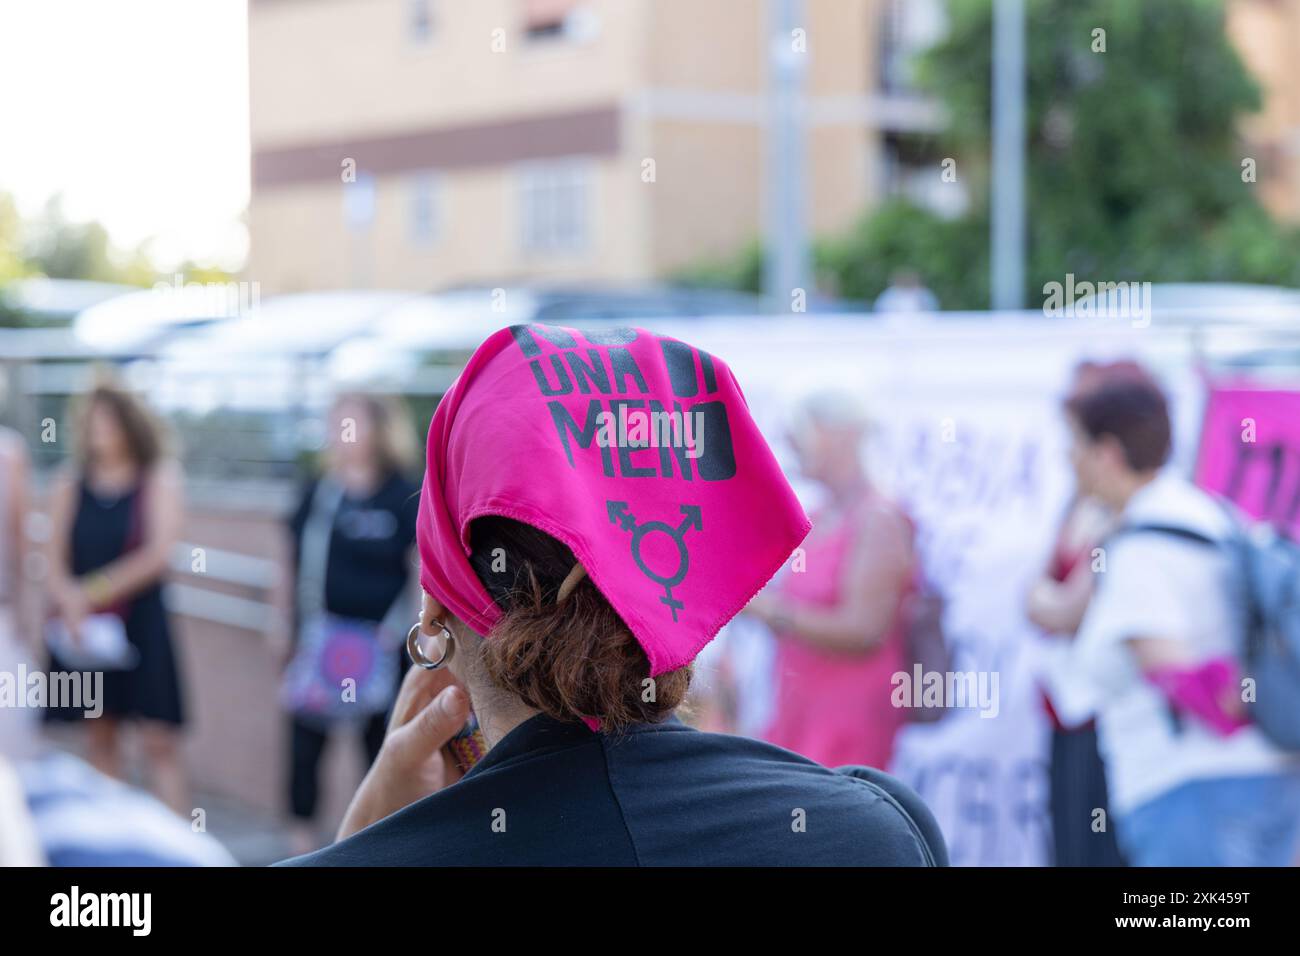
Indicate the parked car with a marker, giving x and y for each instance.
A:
(40, 302)
(444, 327)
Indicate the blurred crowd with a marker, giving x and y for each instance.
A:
(1156, 757)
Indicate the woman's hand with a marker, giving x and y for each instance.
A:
(74, 608)
(763, 606)
(431, 709)
(279, 638)
(773, 611)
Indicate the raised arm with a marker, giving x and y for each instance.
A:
(1058, 606)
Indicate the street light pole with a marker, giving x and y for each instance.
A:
(1008, 172)
(786, 265)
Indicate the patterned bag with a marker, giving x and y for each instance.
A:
(331, 652)
(342, 667)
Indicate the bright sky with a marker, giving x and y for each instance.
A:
(135, 110)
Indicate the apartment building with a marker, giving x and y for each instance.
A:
(419, 143)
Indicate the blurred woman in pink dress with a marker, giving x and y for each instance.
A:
(836, 610)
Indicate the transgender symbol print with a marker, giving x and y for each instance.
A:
(659, 548)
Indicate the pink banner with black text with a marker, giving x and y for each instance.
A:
(1250, 452)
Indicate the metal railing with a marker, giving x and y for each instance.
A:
(189, 598)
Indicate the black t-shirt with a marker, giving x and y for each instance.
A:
(557, 794)
(369, 546)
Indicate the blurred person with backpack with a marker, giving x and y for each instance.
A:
(1192, 781)
(353, 538)
(838, 616)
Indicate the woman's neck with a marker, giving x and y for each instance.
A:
(497, 711)
(359, 478)
(111, 473)
(499, 717)
(848, 488)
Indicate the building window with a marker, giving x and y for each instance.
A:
(546, 19)
(911, 171)
(359, 200)
(422, 210)
(554, 206)
(419, 20)
(907, 28)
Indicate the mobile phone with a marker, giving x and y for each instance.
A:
(468, 746)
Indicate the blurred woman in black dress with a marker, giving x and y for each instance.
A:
(115, 515)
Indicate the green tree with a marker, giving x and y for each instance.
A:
(12, 265)
(900, 235)
(743, 271)
(62, 249)
(1134, 158)
(52, 245)
(1135, 162)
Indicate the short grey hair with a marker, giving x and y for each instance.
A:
(834, 408)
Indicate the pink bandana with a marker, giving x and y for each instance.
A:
(638, 452)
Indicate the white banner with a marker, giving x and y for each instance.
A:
(967, 434)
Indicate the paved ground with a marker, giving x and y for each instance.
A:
(253, 837)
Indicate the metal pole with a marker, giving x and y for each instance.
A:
(786, 265)
(1008, 174)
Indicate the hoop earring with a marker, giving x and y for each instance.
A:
(418, 657)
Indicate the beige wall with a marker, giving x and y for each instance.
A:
(841, 173)
(1267, 35)
(328, 68)
(707, 139)
(698, 45)
(841, 44)
(705, 203)
(301, 241)
(720, 45)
